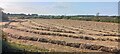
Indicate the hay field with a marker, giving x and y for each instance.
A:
(61, 35)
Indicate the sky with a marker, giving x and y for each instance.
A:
(59, 0)
(53, 7)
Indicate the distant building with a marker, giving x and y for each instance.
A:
(3, 16)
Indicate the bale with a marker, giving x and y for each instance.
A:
(82, 46)
(57, 42)
(117, 40)
(34, 32)
(37, 28)
(68, 44)
(87, 38)
(57, 34)
(60, 34)
(19, 37)
(53, 41)
(65, 35)
(44, 33)
(18, 29)
(99, 39)
(26, 38)
(107, 39)
(33, 39)
(85, 46)
(95, 47)
(114, 50)
(103, 39)
(37, 32)
(9, 34)
(30, 31)
(58, 31)
(26, 31)
(81, 37)
(77, 45)
(13, 36)
(91, 38)
(70, 35)
(71, 32)
(51, 34)
(106, 49)
(48, 34)
(112, 40)
(21, 30)
(43, 40)
(75, 37)
(61, 43)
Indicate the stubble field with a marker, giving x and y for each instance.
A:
(61, 35)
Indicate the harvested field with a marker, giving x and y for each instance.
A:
(60, 35)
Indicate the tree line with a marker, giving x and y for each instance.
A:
(113, 19)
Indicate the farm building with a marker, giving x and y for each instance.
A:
(3, 16)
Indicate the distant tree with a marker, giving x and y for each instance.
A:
(53, 17)
(62, 17)
(68, 17)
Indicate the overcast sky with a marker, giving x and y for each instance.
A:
(104, 7)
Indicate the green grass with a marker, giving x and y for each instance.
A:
(28, 48)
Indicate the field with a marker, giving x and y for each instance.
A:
(64, 35)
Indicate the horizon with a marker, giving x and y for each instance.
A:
(63, 14)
